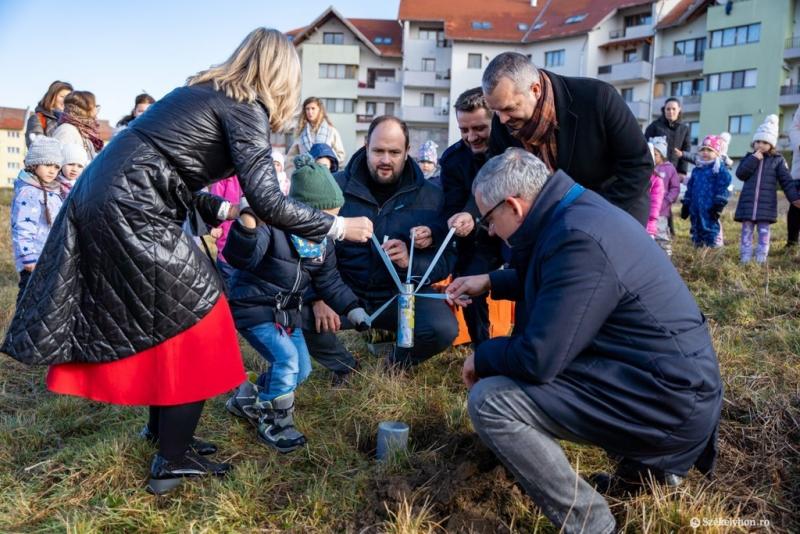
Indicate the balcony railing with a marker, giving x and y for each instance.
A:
(364, 118)
(631, 32)
(793, 42)
(790, 89)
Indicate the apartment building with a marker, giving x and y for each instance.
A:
(730, 62)
(354, 66)
(12, 144)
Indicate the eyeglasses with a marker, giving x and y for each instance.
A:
(484, 222)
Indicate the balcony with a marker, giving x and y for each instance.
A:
(631, 32)
(791, 49)
(431, 115)
(682, 64)
(640, 110)
(379, 89)
(689, 103)
(635, 71)
(790, 96)
(427, 79)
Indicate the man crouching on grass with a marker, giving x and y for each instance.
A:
(609, 347)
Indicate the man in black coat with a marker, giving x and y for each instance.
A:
(609, 347)
(478, 252)
(578, 125)
(385, 185)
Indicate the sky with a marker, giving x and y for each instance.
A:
(119, 48)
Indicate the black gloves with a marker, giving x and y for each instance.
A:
(685, 211)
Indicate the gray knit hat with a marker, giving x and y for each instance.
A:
(44, 151)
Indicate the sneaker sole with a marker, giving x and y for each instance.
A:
(282, 450)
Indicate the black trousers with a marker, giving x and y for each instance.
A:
(24, 276)
(793, 225)
(435, 328)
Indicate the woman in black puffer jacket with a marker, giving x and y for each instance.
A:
(122, 305)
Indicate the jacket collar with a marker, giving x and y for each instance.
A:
(356, 174)
(523, 240)
(567, 120)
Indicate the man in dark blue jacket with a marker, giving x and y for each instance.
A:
(609, 347)
(385, 185)
(478, 252)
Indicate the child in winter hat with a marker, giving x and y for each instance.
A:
(37, 200)
(428, 158)
(707, 194)
(280, 169)
(762, 171)
(75, 160)
(668, 175)
(266, 300)
(325, 156)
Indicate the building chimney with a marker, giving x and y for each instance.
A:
(534, 2)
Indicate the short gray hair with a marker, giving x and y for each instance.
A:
(512, 65)
(514, 173)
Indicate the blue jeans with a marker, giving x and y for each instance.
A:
(287, 354)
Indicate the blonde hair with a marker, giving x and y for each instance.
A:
(263, 67)
(323, 115)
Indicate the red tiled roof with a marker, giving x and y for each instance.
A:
(505, 16)
(12, 118)
(372, 28)
(368, 28)
(682, 12)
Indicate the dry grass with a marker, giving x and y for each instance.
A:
(69, 465)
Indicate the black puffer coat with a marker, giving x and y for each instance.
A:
(678, 136)
(117, 274)
(759, 198)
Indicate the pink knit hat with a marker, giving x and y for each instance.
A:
(714, 142)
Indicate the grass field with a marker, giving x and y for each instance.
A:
(69, 465)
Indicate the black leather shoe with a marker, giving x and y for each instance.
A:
(630, 478)
(167, 475)
(198, 445)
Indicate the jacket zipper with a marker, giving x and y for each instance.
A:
(758, 189)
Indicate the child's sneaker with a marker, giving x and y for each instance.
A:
(243, 403)
(276, 426)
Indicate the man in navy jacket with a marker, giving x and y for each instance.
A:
(608, 348)
(383, 184)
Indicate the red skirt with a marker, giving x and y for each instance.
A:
(197, 364)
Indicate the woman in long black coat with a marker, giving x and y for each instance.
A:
(122, 305)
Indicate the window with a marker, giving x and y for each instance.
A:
(332, 38)
(740, 124)
(382, 40)
(538, 26)
(427, 100)
(338, 105)
(474, 61)
(428, 64)
(627, 94)
(738, 35)
(694, 49)
(575, 18)
(13, 150)
(739, 79)
(481, 25)
(339, 72)
(640, 19)
(694, 132)
(388, 108)
(371, 108)
(13, 165)
(687, 87)
(554, 58)
(13, 134)
(629, 56)
(521, 26)
(431, 34)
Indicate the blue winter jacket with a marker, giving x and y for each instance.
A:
(29, 228)
(707, 191)
(759, 198)
(417, 202)
(608, 341)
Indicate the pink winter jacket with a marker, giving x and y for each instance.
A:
(672, 186)
(230, 190)
(656, 199)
